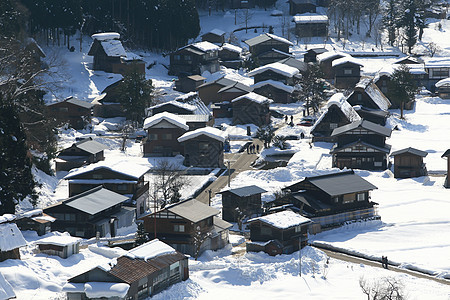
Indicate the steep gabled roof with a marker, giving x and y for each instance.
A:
(266, 37)
(446, 153)
(110, 43)
(276, 84)
(230, 47)
(295, 63)
(10, 237)
(237, 85)
(276, 67)
(193, 210)
(211, 132)
(221, 81)
(411, 151)
(74, 101)
(386, 149)
(330, 55)
(122, 167)
(166, 116)
(253, 97)
(185, 106)
(282, 220)
(344, 60)
(378, 129)
(216, 31)
(339, 183)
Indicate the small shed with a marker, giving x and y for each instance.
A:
(251, 108)
(11, 239)
(203, 147)
(325, 61)
(311, 54)
(347, 72)
(275, 90)
(107, 50)
(447, 155)
(35, 220)
(311, 25)
(408, 163)
(84, 152)
(189, 83)
(229, 53)
(443, 88)
(302, 6)
(60, 245)
(215, 36)
(245, 199)
(286, 227)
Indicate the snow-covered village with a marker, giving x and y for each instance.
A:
(217, 149)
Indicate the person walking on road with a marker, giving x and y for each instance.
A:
(257, 148)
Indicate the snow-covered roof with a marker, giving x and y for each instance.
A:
(231, 48)
(378, 97)
(123, 167)
(186, 106)
(10, 237)
(253, 97)
(113, 48)
(166, 116)
(216, 32)
(60, 240)
(442, 82)
(98, 289)
(310, 18)
(132, 56)
(283, 219)
(276, 67)
(208, 131)
(104, 36)
(266, 37)
(279, 38)
(205, 46)
(329, 55)
(345, 59)
(438, 63)
(7, 218)
(150, 250)
(275, 84)
(6, 290)
(192, 98)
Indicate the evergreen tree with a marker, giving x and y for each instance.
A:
(141, 235)
(402, 87)
(311, 88)
(135, 93)
(11, 19)
(408, 22)
(391, 18)
(265, 134)
(16, 179)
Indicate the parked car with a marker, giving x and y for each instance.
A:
(307, 121)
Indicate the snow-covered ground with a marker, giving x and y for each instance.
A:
(414, 230)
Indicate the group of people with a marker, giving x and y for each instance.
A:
(252, 148)
(292, 120)
(384, 261)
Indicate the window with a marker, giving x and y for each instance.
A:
(348, 71)
(378, 164)
(361, 196)
(166, 136)
(266, 230)
(359, 97)
(122, 187)
(174, 268)
(176, 57)
(203, 147)
(178, 228)
(440, 72)
(152, 137)
(298, 228)
(187, 57)
(97, 176)
(64, 109)
(69, 217)
(335, 199)
(333, 125)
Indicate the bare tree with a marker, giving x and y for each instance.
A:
(245, 16)
(168, 180)
(387, 288)
(199, 238)
(433, 49)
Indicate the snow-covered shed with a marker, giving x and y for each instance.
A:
(141, 273)
(269, 48)
(244, 200)
(11, 239)
(338, 112)
(275, 90)
(347, 72)
(215, 36)
(81, 153)
(35, 220)
(275, 71)
(287, 228)
(408, 162)
(251, 108)
(203, 147)
(62, 245)
(311, 25)
(72, 111)
(443, 88)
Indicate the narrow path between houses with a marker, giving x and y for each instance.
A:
(359, 260)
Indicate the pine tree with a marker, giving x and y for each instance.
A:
(135, 94)
(16, 179)
(390, 19)
(402, 87)
(408, 22)
(11, 19)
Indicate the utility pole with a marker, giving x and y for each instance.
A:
(229, 173)
(300, 257)
(209, 194)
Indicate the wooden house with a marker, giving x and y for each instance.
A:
(409, 163)
(222, 109)
(330, 200)
(163, 131)
(301, 66)
(194, 59)
(180, 223)
(325, 61)
(302, 6)
(287, 229)
(361, 145)
(208, 91)
(122, 177)
(11, 238)
(76, 113)
(35, 54)
(437, 69)
(268, 48)
(275, 90)
(277, 72)
(190, 83)
(230, 56)
(232, 91)
(172, 107)
(35, 220)
(337, 113)
(59, 245)
(368, 95)
(215, 36)
(311, 54)
(139, 274)
(447, 178)
(110, 56)
(84, 152)
(347, 72)
(201, 116)
(311, 25)
(203, 147)
(97, 211)
(246, 199)
(251, 108)
(443, 88)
